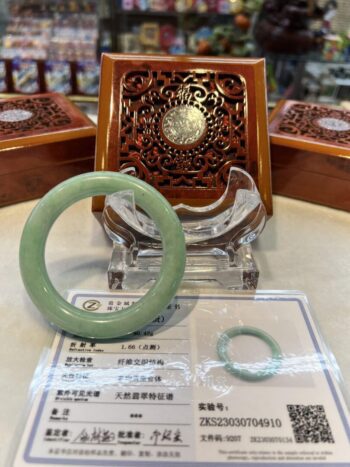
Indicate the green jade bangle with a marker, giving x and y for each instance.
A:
(256, 373)
(101, 325)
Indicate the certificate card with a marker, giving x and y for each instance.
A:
(162, 396)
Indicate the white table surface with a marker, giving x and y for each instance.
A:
(304, 247)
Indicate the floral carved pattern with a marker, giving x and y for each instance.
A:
(39, 113)
(317, 122)
(170, 152)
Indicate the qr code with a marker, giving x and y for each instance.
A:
(310, 424)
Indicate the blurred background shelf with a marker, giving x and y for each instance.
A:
(55, 45)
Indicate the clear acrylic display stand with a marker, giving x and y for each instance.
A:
(217, 238)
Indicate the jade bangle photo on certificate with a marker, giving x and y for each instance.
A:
(101, 325)
(254, 371)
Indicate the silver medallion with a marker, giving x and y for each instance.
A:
(15, 115)
(335, 124)
(184, 125)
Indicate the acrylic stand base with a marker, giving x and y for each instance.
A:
(233, 270)
(218, 236)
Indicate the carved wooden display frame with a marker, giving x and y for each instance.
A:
(303, 125)
(50, 118)
(310, 152)
(144, 102)
(44, 139)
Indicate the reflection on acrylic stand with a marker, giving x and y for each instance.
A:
(218, 238)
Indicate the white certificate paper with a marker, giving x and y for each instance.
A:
(163, 397)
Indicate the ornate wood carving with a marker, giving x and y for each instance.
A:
(183, 129)
(316, 122)
(44, 139)
(310, 153)
(180, 123)
(21, 116)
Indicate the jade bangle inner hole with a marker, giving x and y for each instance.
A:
(245, 349)
(69, 236)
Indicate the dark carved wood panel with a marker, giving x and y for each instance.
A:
(181, 123)
(310, 153)
(321, 123)
(21, 116)
(44, 139)
(183, 129)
